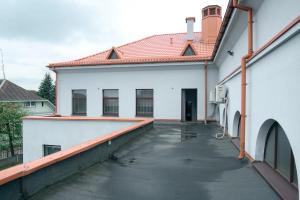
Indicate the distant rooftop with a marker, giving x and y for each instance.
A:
(153, 49)
(12, 92)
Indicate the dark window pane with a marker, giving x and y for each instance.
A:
(144, 103)
(111, 102)
(283, 153)
(79, 102)
(205, 13)
(212, 11)
(219, 11)
(189, 51)
(50, 149)
(113, 55)
(270, 147)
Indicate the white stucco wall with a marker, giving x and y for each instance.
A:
(39, 109)
(36, 133)
(272, 76)
(167, 81)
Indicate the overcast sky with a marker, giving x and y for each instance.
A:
(34, 33)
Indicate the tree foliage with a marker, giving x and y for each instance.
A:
(47, 88)
(10, 126)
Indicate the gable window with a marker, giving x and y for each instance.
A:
(113, 55)
(50, 149)
(144, 102)
(279, 155)
(111, 102)
(189, 51)
(78, 102)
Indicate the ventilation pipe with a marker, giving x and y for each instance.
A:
(244, 59)
(190, 28)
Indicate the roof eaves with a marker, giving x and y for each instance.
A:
(135, 61)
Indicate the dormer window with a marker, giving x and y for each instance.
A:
(113, 55)
(189, 51)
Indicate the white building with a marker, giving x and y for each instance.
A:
(28, 100)
(168, 77)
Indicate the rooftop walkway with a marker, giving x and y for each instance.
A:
(182, 161)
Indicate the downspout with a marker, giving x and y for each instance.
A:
(205, 107)
(243, 75)
(56, 91)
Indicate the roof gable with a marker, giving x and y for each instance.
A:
(12, 92)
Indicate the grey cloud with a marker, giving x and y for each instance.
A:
(51, 20)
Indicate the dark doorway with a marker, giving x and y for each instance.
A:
(189, 105)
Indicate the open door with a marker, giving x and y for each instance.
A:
(189, 105)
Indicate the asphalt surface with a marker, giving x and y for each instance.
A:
(182, 161)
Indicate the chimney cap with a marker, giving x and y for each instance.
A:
(211, 6)
(189, 19)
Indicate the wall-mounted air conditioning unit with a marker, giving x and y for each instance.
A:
(212, 96)
(220, 93)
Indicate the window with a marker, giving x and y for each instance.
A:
(219, 11)
(111, 102)
(78, 102)
(50, 149)
(212, 11)
(189, 51)
(42, 104)
(144, 102)
(205, 13)
(29, 104)
(113, 55)
(279, 155)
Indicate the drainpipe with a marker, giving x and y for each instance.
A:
(243, 74)
(56, 91)
(205, 107)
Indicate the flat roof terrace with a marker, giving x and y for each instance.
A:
(169, 161)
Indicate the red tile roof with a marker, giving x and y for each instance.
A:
(153, 49)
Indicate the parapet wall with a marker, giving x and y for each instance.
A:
(22, 181)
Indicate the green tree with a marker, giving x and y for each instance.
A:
(10, 126)
(47, 88)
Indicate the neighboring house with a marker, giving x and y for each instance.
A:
(29, 100)
(169, 76)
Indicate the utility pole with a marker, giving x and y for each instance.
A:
(2, 67)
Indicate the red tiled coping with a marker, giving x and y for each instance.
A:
(18, 171)
(83, 118)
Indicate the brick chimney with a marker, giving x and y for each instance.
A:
(211, 22)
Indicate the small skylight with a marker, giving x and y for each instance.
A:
(113, 55)
(189, 51)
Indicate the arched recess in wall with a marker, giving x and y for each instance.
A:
(236, 124)
(273, 148)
